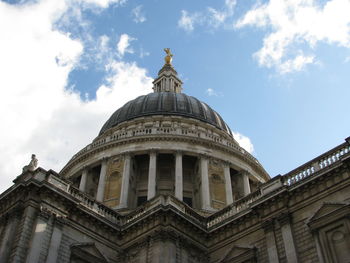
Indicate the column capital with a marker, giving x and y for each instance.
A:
(204, 156)
(104, 159)
(245, 172)
(179, 152)
(153, 151)
(127, 154)
(226, 163)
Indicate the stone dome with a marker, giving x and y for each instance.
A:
(165, 143)
(166, 103)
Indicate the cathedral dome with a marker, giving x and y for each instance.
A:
(166, 103)
(165, 143)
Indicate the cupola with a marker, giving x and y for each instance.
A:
(167, 80)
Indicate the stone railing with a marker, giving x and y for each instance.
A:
(277, 183)
(319, 163)
(196, 133)
(308, 169)
(95, 206)
(141, 210)
(89, 203)
(83, 198)
(233, 209)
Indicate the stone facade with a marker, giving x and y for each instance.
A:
(45, 218)
(176, 188)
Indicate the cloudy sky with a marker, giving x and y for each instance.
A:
(278, 71)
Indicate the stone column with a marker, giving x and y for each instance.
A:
(83, 180)
(246, 185)
(288, 239)
(55, 242)
(228, 184)
(205, 184)
(270, 241)
(178, 176)
(102, 181)
(124, 192)
(152, 175)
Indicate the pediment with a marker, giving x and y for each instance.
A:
(239, 254)
(326, 209)
(88, 252)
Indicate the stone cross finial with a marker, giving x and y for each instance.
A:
(33, 164)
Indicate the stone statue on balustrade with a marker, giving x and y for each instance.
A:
(33, 164)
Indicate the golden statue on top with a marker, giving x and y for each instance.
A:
(169, 57)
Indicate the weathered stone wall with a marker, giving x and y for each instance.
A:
(217, 185)
(113, 182)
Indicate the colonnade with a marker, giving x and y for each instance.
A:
(152, 180)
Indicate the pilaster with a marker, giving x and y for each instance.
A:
(288, 239)
(270, 239)
(7, 241)
(37, 240)
(55, 241)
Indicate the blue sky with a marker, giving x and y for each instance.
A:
(276, 71)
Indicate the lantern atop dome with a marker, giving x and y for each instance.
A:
(167, 80)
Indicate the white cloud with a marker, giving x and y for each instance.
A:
(139, 16)
(101, 3)
(38, 112)
(211, 17)
(244, 142)
(217, 18)
(212, 92)
(295, 25)
(295, 64)
(144, 53)
(187, 21)
(123, 45)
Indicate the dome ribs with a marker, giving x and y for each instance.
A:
(166, 103)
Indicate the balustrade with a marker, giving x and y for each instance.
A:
(319, 163)
(164, 130)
